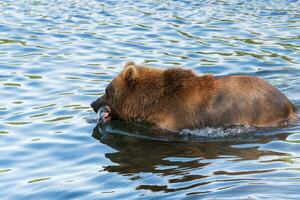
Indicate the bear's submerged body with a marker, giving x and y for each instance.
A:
(176, 99)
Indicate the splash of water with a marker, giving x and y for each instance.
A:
(217, 132)
(92, 118)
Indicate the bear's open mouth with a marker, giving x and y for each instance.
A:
(104, 114)
(106, 117)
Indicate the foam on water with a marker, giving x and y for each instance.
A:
(210, 132)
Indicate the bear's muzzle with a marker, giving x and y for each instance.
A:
(96, 105)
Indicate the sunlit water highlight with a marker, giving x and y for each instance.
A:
(56, 57)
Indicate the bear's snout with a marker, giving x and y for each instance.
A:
(94, 106)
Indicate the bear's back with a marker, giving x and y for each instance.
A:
(248, 100)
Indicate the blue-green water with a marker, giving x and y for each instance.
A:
(57, 56)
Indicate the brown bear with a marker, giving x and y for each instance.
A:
(175, 99)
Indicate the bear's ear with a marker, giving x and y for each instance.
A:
(130, 73)
(129, 63)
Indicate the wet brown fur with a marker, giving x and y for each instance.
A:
(177, 98)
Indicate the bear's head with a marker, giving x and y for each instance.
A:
(133, 94)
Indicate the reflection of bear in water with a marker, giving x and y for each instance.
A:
(176, 98)
(134, 156)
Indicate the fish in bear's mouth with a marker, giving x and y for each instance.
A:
(104, 114)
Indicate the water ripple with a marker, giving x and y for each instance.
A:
(57, 56)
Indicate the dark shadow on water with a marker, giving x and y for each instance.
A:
(135, 154)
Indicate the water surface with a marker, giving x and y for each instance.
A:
(58, 56)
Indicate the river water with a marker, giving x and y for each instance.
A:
(57, 56)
